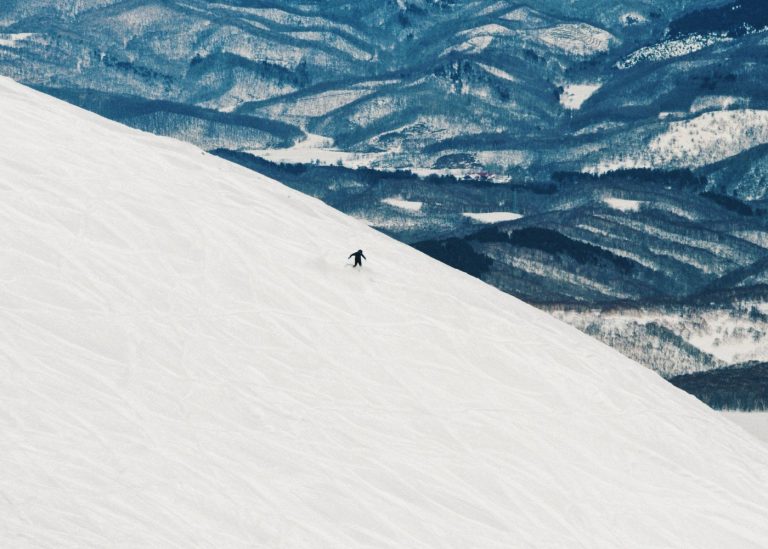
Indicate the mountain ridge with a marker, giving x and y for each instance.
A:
(191, 363)
(438, 101)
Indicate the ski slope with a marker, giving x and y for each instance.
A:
(186, 361)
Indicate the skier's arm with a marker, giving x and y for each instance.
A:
(364, 257)
(350, 256)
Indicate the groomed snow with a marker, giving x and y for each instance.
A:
(188, 361)
(493, 217)
(409, 205)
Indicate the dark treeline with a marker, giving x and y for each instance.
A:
(553, 242)
(679, 179)
(736, 388)
(457, 253)
(734, 19)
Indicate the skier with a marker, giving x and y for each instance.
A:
(357, 255)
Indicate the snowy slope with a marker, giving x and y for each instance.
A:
(754, 422)
(187, 362)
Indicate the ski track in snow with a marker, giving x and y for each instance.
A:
(186, 361)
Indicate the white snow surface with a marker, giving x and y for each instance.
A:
(574, 95)
(409, 205)
(493, 217)
(752, 422)
(317, 149)
(499, 73)
(623, 205)
(188, 362)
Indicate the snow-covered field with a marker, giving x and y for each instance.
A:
(318, 149)
(574, 95)
(623, 205)
(188, 362)
(493, 217)
(408, 205)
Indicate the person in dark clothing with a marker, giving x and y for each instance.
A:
(357, 255)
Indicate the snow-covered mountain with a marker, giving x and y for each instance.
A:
(415, 79)
(668, 267)
(474, 91)
(188, 361)
(520, 89)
